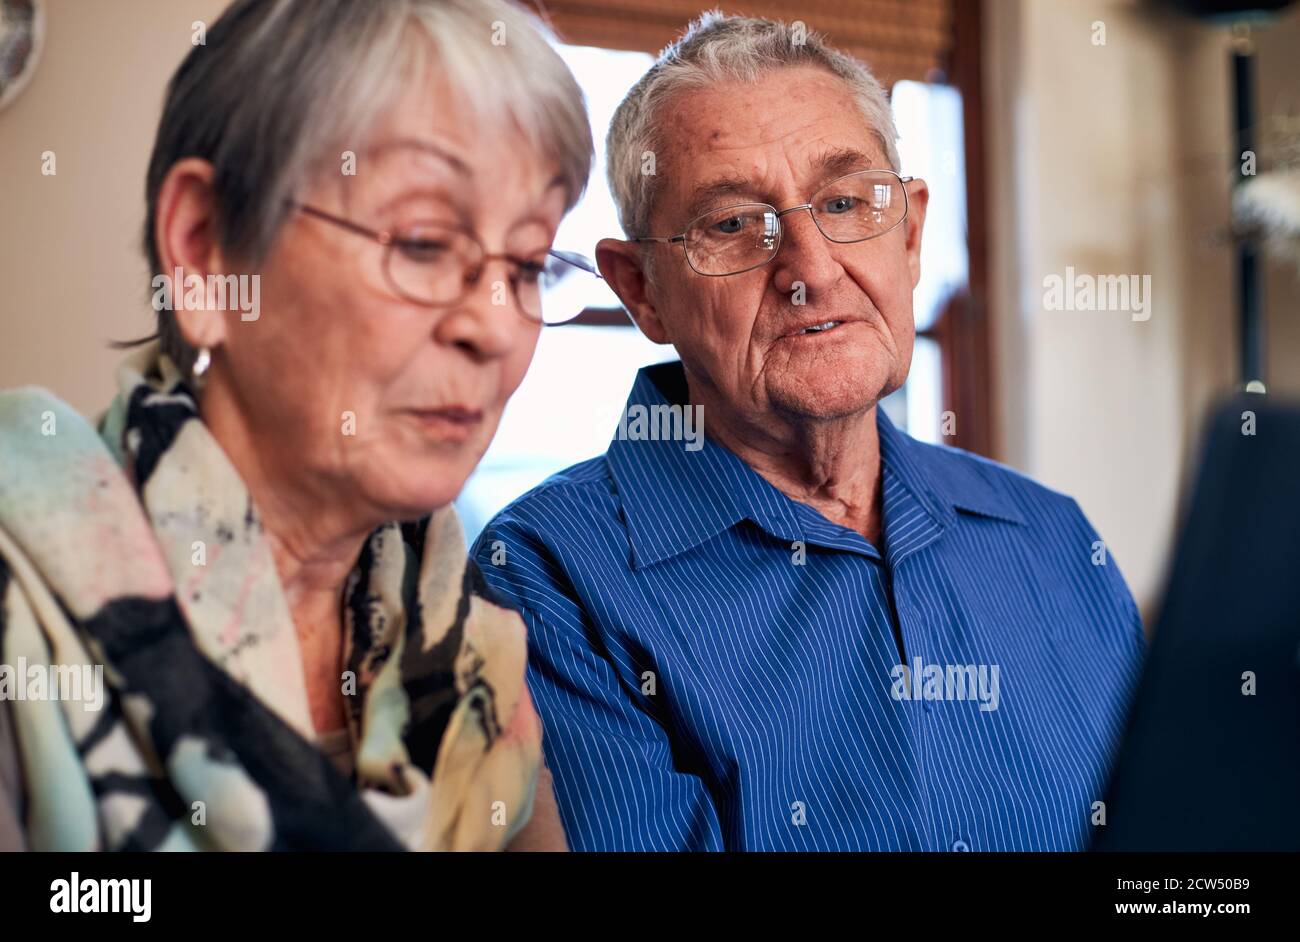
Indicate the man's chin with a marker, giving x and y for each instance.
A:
(828, 397)
(819, 405)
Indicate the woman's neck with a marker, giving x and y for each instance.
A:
(313, 572)
(313, 588)
(315, 541)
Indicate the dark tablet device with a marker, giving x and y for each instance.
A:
(1211, 759)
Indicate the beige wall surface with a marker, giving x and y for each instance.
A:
(1279, 103)
(1108, 159)
(1117, 159)
(72, 274)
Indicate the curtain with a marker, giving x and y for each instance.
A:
(898, 39)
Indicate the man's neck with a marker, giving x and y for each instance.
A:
(832, 465)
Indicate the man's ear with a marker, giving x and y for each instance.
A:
(918, 198)
(620, 265)
(185, 232)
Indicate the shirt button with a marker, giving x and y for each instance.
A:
(960, 845)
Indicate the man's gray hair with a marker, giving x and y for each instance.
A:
(717, 48)
(280, 88)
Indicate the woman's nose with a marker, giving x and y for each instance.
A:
(488, 320)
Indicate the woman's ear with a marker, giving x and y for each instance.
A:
(185, 232)
(622, 268)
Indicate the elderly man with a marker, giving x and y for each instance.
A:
(812, 633)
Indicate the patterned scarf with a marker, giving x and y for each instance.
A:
(138, 548)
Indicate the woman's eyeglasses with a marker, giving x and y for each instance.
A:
(739, 238)
(435, 266)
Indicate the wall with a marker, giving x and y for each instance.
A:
(1279, 95)
(1116, 159)
(72, 275)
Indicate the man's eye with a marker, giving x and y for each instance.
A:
(730, 226)
(840, 204)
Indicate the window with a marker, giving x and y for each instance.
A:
(931, 146)
(567, 407)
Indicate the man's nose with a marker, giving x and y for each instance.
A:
(805, 255)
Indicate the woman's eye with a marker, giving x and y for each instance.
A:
(531, 272)
(422, 249)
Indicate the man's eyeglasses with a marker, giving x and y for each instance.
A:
(435, 266)
(739, 238)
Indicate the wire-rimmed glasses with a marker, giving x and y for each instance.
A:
(744, 236)
(435, 265)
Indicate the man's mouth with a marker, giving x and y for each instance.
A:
(821, 328)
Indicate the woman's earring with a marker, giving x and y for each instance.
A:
(202, 362)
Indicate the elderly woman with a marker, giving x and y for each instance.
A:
(251, 565)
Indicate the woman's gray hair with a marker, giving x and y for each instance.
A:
(717, 48)
(279, 87)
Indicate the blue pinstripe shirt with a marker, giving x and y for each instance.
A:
(720, 667)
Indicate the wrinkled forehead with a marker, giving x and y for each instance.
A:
(426, 143)
(773, 140)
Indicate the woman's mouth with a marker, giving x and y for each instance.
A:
(449, 423)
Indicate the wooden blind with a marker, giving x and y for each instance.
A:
(898, 39)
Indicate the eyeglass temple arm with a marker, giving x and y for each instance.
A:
(669, 239)
(577, 261)
(381, 237)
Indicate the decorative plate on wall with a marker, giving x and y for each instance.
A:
(22, 28)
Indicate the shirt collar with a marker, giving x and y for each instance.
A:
(945, 479)
(674, 499)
